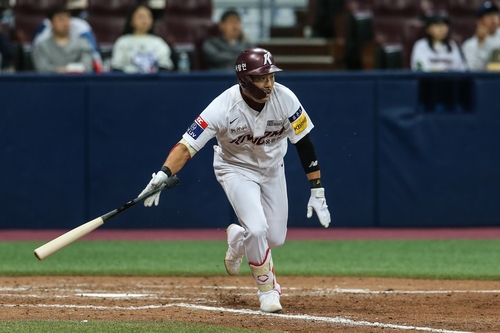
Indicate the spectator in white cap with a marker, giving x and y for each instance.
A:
(479, 48)
(437, 52)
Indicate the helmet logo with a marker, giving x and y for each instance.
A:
(267, 58)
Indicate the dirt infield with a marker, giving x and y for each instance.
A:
(312, 304)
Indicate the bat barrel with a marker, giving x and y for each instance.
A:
(56, 244)
(60, 242)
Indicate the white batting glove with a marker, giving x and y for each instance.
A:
(156, 180)
(317, 201)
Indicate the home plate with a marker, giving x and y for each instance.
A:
(114, 295)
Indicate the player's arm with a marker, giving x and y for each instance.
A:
(195, 137)
(178, 156)
(309, 161)
(176, 159)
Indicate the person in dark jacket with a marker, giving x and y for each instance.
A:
(6, 53)
(220, 52)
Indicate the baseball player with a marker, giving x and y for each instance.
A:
(251, 122)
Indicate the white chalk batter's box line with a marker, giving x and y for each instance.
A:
(302, 291)
(332, 320)
(316, 291)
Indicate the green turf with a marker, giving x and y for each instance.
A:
(50, 326)
(442, 259)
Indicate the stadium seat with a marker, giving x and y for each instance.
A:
(116, 7)
(182, 30)
(187, 34)
(200, 36)
(413, 30)
(106, 29)
(388, 29)
(28, 14)
(4, 29)
(359, 32)
(185, 24)
(389, 46)
(38, 5)
(462, 28)
(396, 7)
(463, 7)
(355, 5)
(107, 18)
(192, 8)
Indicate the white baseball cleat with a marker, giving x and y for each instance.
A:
(232, 262)
(270, 301)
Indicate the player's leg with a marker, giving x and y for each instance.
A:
(235, 249)
(243, 192)
(275, 205)
(242, 187)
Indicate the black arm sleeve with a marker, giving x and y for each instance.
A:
(307, 154)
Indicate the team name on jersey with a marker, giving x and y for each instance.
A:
(239, 129)
(298, 121)
(267, 139)
(274, 123)
(197, 127)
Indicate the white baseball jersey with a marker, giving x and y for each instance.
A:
(141, 54)
(423, 58)
(248, 137)
(478, 56)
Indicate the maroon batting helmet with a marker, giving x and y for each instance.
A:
(254, 61)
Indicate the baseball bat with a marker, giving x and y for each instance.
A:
(65, 239)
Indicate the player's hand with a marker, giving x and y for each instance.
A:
(157, 179)
(317, 201)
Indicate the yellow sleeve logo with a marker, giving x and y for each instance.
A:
(300, 124)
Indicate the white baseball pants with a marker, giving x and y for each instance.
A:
(259, 199)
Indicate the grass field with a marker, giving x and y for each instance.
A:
(51, 326)
(443, 259)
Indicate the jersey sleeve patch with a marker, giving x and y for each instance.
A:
(296, 115)
(298, 121)
(197, 127)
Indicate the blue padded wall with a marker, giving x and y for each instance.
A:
(436, 168)
(42, 131)
(396, 149)
(343, 139)
(132, 128)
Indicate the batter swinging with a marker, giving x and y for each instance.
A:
(251, 122)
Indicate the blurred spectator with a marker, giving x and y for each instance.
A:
(479, 48)
(138, 50)
(61, 52)
(220, 53)
(436, 52)
(78, 28)
(6, 54)
(322, 18)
